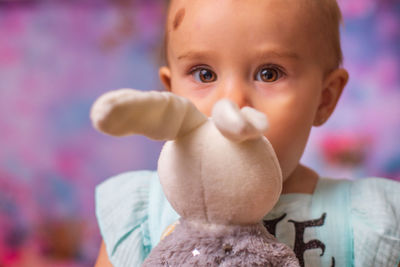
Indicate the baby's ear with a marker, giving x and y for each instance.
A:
(333, 87)
(165, 77)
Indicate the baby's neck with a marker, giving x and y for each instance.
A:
(303, 180)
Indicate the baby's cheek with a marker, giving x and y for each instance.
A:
(205, 110)
(286, 150)
(202, 103)
(205, 106)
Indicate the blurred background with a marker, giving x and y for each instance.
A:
(57, 57)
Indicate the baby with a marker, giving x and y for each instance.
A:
(283, 58)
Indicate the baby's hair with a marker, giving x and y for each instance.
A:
(329, 17)
(326, 14)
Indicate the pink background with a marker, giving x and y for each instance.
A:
(56, 58)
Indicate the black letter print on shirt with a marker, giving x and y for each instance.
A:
(271, 224)
(300, 247)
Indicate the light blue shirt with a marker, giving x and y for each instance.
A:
(344, 223)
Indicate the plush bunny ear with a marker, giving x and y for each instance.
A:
(238, 124)
(157, 115)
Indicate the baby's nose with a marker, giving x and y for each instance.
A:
(238, 93)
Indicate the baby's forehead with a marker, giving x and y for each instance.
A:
(321, 17)
(179, 9)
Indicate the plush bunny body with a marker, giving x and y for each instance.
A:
(220, 174)
(224, 245)
(207, 177)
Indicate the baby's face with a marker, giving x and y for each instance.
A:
(259, 53)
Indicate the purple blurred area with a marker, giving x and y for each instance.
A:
(57, 57)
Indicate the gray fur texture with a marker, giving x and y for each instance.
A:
(189, 245)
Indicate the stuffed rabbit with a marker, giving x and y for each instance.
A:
(220, 174)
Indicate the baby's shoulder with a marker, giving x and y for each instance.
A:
(375, 217)
(370, 201)
(368, 211)
(376, 199)
(131, 179)
(132, 211)
(122, 204)
(369, 192)
(120, 195)
(374, 186)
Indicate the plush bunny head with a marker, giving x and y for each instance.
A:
(218, 170)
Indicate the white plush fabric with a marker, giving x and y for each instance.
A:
(220, 170)
(157, 115)
(238, 124)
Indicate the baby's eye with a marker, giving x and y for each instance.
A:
(268, 74)
(204, 75)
